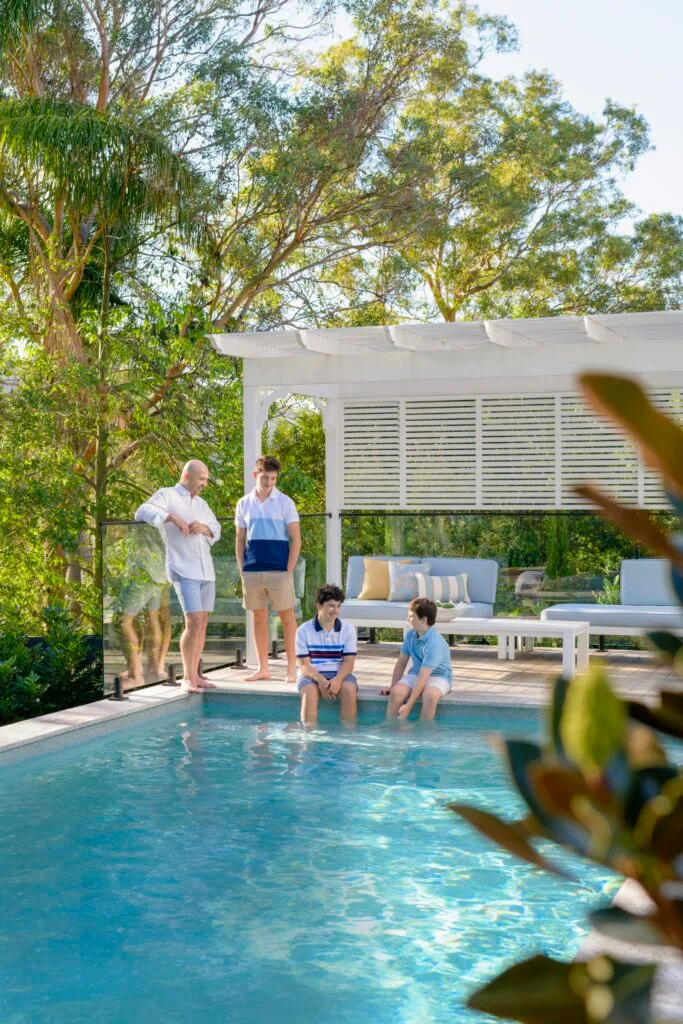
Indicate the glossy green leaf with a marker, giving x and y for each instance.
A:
(618, 924)
(624, 401)
(634, 522)
(666, 644)
(646, 784)
(666, 719)
(593, 725)
(536, 991)
(544, 991)
(505, 835)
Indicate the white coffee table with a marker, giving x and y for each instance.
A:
(574, 635)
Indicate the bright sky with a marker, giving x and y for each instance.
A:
(628, 50)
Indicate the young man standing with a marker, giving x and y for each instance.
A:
(189, 529)
(430, 676)
(326, 649)
(267, 546)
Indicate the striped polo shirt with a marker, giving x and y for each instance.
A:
(266, 524)
(326, 648)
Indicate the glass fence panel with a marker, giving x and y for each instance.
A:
(142, 620)
(543, 558)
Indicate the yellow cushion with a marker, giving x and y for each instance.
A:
(376, 580)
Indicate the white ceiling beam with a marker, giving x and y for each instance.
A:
(499, 333)
(598, 330)
(259, 344)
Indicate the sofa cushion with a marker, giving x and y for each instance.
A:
(375, 580)
(359, 611)
(645, 617)
(646, 581)
(403, 584)
(355, 570)
(443, 588)
(482, 574)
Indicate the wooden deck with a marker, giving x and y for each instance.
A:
(479, 677)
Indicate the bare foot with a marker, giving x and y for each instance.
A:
(255, 676)
(192, 685)
(291, 680)
(206, 684)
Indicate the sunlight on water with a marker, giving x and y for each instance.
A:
(216, 868)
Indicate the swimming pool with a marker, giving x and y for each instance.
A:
(220, 864)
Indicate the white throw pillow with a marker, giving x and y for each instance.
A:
(403, 579)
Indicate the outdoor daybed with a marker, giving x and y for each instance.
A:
(647, 602)
(482, 577)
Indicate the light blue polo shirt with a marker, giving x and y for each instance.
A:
(430, 650)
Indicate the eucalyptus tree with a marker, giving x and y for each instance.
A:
(171, 168)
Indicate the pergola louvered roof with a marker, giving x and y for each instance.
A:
(460, 336)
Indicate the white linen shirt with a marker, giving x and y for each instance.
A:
(187, 556)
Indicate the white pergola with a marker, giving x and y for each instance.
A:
(466, 415)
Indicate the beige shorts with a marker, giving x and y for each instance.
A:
(259, 588)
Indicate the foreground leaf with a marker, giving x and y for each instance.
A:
(658, 437)
(593, 726)
(633, 522)
(545, 991)
(507, 836)
(667, 718)
(618, 924)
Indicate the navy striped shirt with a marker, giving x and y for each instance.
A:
(326, 648)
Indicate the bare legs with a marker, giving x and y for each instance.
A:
(191, 647)
(310, 699)
(159, 640)
(130, 641)
(399, 693)
(288, 619)
(261, 642)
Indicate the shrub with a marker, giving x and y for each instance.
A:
(58, 669)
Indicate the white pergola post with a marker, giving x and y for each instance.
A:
(332, 427)
(252, 447)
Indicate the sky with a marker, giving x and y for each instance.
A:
(628, 50)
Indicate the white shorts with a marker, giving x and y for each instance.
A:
(444, 685)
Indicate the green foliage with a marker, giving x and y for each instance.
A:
(603, 788)
(158, 186)
(55, 670)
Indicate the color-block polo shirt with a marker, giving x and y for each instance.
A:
(326, 648)
(429, 650)
(266, 524)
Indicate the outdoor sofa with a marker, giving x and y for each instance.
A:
(647, 602)
(482, 578)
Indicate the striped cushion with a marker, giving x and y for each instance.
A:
(443, 588)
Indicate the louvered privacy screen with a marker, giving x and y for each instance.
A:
(499, 452)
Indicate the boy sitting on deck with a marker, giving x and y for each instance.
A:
(326, 650)
(430, 675)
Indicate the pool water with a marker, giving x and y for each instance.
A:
(224, 865)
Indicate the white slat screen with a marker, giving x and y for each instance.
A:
(440, 453)
(372, 455)
(491, 452)
(594, 451)
(518, 452)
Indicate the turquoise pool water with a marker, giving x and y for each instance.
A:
(223, 865)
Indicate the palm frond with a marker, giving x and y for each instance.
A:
(17, 16)
(98, 160)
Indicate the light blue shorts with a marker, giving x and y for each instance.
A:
(306, 681)
(194, 595)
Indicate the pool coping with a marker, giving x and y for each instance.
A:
(49, 732)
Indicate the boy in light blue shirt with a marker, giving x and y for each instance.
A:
(430, 676)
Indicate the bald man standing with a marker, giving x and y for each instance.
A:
(189, 529)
